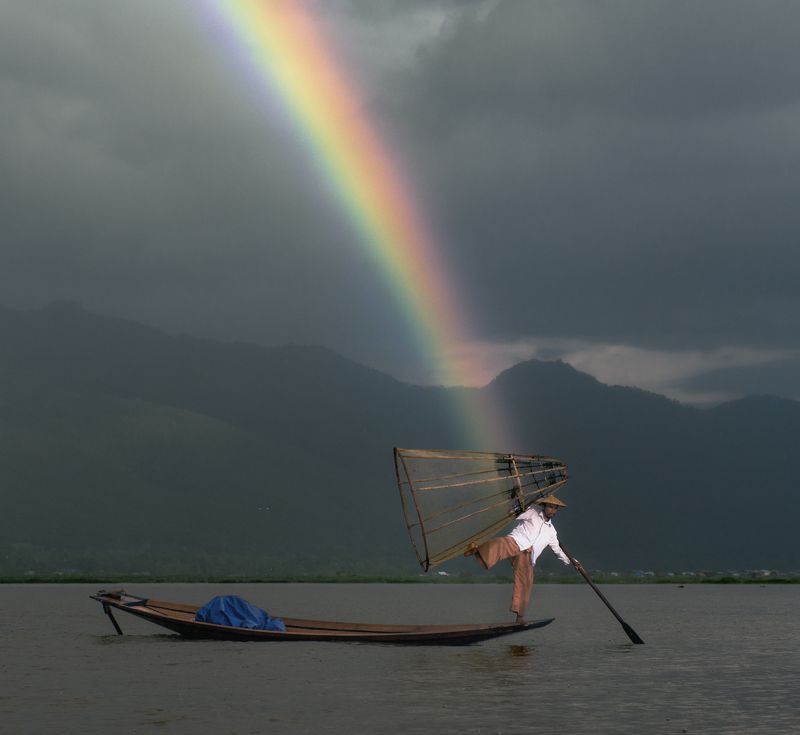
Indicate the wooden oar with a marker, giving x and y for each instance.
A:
(632, 634)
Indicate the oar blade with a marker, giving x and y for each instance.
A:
(632, 634)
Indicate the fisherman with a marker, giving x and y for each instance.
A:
(534, 530)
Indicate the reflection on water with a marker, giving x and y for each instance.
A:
(718, 659)
(485, 661)
(519, 651)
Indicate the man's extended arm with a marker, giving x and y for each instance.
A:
(554, 545)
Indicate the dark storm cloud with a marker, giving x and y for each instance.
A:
(552, 60)
(148, 173)
(619, 170)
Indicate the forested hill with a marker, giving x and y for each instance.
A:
(125, 449)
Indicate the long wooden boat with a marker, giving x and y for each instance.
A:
(179, 618)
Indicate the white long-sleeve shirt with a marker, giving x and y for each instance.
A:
(533, 531)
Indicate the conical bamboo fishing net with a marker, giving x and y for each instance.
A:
(453, 498)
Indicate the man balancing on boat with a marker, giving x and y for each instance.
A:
(533, 531)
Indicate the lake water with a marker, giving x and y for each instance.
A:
(717, 659)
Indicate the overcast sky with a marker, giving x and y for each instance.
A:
(611, 183)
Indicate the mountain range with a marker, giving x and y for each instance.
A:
(128, 449)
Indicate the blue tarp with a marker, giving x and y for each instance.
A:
(239, 613)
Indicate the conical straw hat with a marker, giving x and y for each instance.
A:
(551, 500)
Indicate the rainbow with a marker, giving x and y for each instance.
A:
(285, 45)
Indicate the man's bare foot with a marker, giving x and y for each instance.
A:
(519, 619)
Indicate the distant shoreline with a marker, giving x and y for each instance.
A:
(368, 579)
